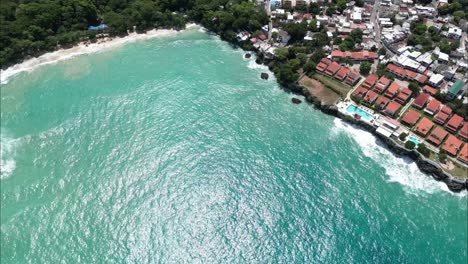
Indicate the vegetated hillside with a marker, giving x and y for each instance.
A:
(32, 27)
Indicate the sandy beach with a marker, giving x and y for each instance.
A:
(80, 49)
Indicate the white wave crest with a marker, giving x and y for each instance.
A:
(7, 152)
(400, 170)
(80, 49)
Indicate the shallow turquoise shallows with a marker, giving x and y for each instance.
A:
(173, 150)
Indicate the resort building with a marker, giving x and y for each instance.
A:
(332, 68)
(406, 74)
(437, 136)
(432, 107)
(436, 79)
(370, 97)
(353, 77)
(452, 145)
(429, 90)
(464, 132)
(360, 91)
(403, 95)
(420, 101)
(382, 84)
(392, 108)
(323, 64)
(454, 123)
(463, 156)
(370, 81)
(342, 73)
(392, 90)
(355, 56)
(381, 102)
(411, 117)
(424, 126)
(443, 115)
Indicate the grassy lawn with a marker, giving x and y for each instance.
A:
(333, 84)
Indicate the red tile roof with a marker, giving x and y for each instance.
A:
(424, 126)
(433, 106)
(463, 156)
(382, 102)
(403, 96)
(464, 132)
(392, 108)
(441, 118)
(382, 84)
(411, 117)
(360, 91)
(421, 100)
(370, 81)
(452, 145)
(429, 90)
(370, 97)
(353, 76)
(421, 78)
(321, 67)
(356, 55)
(332, 68)
(262, 37)
(342, 73)
(454, 123)
(437, 136)
(392, 90)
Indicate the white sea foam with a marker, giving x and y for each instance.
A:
(80, 49)
(400, 170)
(7, 152)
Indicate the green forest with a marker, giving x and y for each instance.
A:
(32, 27)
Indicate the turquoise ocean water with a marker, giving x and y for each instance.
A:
(173, 150)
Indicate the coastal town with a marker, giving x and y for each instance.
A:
(399, 66)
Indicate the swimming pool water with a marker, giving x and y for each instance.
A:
(414, 140)
(355, 110)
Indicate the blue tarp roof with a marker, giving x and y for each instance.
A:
(102, 26)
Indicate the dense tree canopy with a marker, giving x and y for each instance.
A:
(29, 28)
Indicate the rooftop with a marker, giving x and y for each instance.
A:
(411, 117)
(424, 126)
(392, 107)
(421, 100)
(454, 123)
(452, 145)
(437, 136)
(463, 156)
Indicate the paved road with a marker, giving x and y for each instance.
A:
(374, 19)
(270, 23)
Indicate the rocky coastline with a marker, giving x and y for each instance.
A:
(425, 165)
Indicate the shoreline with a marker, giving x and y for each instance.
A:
(83, 48)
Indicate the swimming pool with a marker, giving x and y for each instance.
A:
(352, 109)
(414, 140)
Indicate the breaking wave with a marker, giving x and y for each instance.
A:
(400, 170)
(7, 153)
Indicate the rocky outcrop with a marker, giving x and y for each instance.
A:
(264, 76)
(248, 55)
(295, 100)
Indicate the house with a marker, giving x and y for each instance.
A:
(454, 33)
(443, 115)
(360, 92)
(454, 123)
(323, 64)
(436, 79)
(382, 84)
(432, 107)
(423, 126)
(342, 73)
(463, 156)
(353, 77)
(429, 90)
(364, 55)
(392, 108)
(411, 117)
(437, 136)
(464, 132)
(332, 68)
(403, 95)
(455, 89)
(381, 102)
(392, 90)
(370, 81)
(406, 74)
(421, 101)
(452, 145)
(370, 97)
